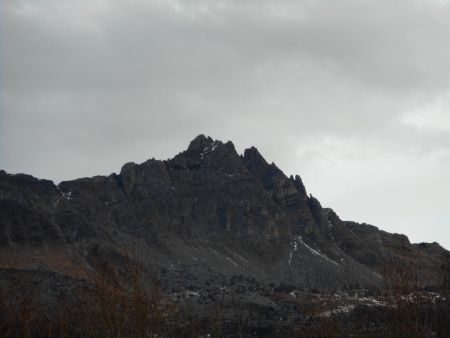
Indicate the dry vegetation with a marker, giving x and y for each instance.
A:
(126, 302)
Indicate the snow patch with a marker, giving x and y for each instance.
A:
(378, 275)
(233, 262)
(67, 195)
(291, 254)
(340, 309)
(192, 293)
(209, 149)
(240, 257)
(369, 301)
(317, 253)
(55, 203)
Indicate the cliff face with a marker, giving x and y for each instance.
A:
(208, 213)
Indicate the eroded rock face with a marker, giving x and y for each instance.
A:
(205, 214)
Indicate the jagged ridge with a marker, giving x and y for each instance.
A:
(208, 213)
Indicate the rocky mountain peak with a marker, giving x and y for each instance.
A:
(208, 209)
(201, 142)
(254, 159)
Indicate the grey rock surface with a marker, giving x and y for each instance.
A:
(198, 219)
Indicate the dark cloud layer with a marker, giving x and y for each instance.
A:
(352, 95)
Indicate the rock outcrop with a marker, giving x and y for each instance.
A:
(206, 214)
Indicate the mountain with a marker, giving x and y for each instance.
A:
(201, 217)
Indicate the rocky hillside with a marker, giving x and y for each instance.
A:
(201, 217)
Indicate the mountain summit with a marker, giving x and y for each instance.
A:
(204, 215)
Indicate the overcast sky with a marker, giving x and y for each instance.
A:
(352, 95)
